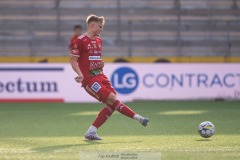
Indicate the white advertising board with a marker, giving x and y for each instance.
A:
(55, 82)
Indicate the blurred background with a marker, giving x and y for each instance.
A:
(135, 30)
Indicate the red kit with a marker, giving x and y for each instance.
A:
(89, 52)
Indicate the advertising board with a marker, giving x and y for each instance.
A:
(55, 82)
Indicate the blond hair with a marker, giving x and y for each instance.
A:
(94, 18)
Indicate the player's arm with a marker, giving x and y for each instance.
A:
(74, 64)
(75, 54)
(102, 64)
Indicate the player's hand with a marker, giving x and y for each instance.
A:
(102, 64)
(79, 78)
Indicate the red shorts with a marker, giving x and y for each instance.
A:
(99, 87)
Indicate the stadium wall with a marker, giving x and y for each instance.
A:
(132, 81)
(183, 59)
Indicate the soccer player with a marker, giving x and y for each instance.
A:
(87, 63)
(77, 32)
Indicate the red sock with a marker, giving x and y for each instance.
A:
(122, 108)
(103, 115)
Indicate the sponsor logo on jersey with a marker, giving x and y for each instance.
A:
(95, 64)
(94, 57)
(96, 86)
(89, 46)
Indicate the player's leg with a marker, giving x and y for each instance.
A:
(101, 118)
(112, 100)
(125, 110)
(103, 91)
(103, 115)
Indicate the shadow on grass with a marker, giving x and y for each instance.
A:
(203, 140)
(54, 148)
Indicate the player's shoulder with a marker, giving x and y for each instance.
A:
(82, 39)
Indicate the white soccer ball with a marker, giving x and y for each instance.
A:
(206, 129)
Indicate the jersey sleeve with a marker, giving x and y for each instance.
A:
(76, 48)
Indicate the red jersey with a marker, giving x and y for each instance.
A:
(74, 37)
(89, 52)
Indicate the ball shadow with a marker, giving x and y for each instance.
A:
(204, 140)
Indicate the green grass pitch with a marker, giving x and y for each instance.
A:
(55, 131)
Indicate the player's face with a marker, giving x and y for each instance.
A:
(78, 31)
(97, 28)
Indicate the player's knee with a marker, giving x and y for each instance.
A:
(111, 99)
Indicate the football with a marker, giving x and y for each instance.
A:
(206, 129)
